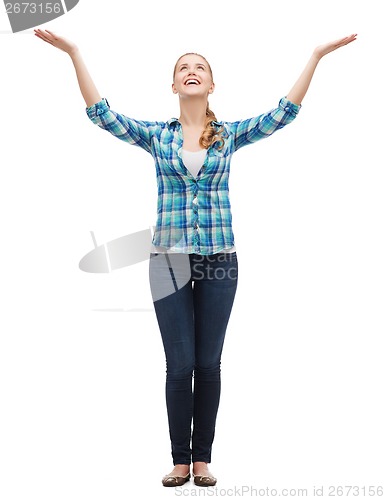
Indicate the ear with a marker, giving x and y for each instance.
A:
(212, 87)
(174, 89)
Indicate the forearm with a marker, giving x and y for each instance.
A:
(298, 92)
(86, 84)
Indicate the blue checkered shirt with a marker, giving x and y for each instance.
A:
(193, 214)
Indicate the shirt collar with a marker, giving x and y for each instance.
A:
(173, 120)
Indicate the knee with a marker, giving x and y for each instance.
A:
(179, 370)
(208, 372)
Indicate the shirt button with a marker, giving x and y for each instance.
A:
(287, 108)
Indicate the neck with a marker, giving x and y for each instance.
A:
(193, 111)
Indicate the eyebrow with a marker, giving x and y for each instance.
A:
(196, 64)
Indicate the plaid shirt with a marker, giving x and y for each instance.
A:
(193, 214)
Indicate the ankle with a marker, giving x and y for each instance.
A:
(182, 466)
(199, 466)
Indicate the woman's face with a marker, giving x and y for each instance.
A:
(192, 77)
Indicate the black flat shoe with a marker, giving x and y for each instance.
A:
(204, 480)
(171, 480)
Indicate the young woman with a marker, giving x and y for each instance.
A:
(193, 261)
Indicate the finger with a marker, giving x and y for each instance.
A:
(45, 35)
(43, 39)
(40, 32)
(350, 39)
(51, 33)
(344, 41)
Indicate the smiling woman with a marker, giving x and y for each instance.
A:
(193, 236)
(193, 71)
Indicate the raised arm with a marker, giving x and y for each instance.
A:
(298, 92)
(136, 132)
(86, 84)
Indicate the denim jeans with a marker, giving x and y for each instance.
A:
(193, 296)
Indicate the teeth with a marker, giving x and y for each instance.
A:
(192, 81)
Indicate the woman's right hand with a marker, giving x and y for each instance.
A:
(57, 41)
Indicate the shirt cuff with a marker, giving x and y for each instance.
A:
(98, 108)
(289, 106)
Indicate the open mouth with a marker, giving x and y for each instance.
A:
(192, 81)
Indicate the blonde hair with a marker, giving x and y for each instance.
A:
(210, 134)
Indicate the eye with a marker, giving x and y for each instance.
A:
(201, 67)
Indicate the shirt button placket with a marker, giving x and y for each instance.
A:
(196, 237)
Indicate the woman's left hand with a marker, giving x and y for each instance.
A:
(324, 49)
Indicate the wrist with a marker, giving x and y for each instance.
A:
(316, 57)
(74, 52)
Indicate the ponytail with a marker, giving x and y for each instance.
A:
(210, 133)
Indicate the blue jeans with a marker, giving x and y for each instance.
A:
(193, 296)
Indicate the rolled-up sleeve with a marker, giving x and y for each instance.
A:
(135, 132)
(253, 129)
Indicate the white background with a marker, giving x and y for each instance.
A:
(83, 412)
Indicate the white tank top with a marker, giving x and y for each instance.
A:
(193, 161)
